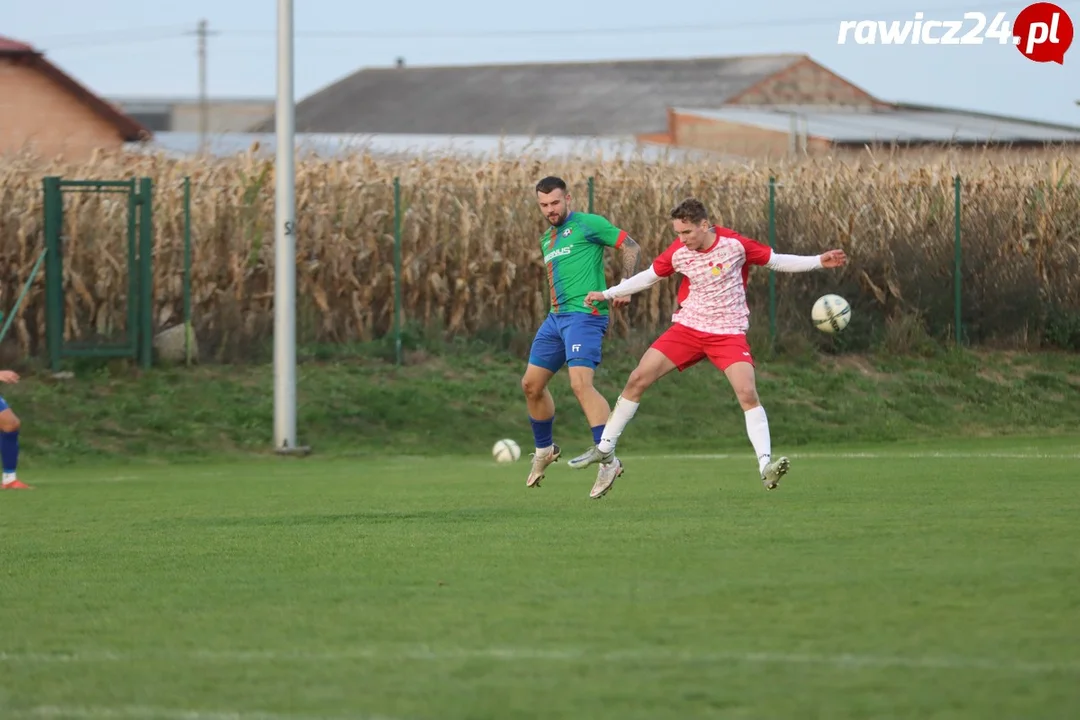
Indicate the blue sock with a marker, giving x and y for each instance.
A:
(597, 434)
(542, 432)
(9, 450)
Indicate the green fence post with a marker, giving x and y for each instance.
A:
(54, 277)
(146, 291)
(772, 274)
(187, 270)
(957, 256)
(397, 270)
(133, 316)
(592, 189)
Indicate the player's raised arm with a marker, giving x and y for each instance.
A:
(804, 263)
(761, 254)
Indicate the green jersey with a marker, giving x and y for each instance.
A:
(574, 256)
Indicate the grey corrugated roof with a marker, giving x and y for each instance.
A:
(906, 123)
(477, 146)
(585, 98)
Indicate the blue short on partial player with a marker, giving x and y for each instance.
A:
(3, 405)
(572, 339)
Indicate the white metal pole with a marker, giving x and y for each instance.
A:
(285, 239)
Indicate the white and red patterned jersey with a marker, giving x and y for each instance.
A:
(712, 294)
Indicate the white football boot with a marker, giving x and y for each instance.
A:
(770, 476)
(539, 465)
(590, 456)
(605, 477)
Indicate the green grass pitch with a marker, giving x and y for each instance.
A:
(901, 581)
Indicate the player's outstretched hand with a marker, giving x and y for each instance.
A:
(594, 297)
(620, 301)
(833, 259)
(9, 376)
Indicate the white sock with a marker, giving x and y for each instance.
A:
(9, 478)
(620, 417)
(757, 428)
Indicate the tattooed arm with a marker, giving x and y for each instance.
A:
(600, 230)
(631, 254)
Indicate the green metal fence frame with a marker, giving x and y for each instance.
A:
(188, 330)
(397, 270)
(140, 233)
(772, 274)
(958, 262)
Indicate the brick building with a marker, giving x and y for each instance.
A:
(773, 131)
(45, 111)
(748, 106)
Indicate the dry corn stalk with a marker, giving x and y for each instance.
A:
(470, 260)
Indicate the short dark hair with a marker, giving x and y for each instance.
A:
(550, 184)
(690, 210)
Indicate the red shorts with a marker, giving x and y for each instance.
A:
(686, 347)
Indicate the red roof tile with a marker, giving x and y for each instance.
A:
(7, 45)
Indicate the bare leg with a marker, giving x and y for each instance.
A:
(743, 381)
(9, 421)
(653, 366)
(541, 415)
(537, 397)
(594, 405)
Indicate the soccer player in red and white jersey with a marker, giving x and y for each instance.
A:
(711, 322)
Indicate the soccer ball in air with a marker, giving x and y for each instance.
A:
(506, 451)
(831, 313)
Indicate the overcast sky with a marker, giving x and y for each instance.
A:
(139, 48)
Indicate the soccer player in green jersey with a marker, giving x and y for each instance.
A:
(571, 335)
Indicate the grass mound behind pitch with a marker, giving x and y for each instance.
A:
(464, 399)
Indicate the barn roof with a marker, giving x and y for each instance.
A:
(563, 99)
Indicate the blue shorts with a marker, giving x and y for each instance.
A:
(3, 405)
(571, 339)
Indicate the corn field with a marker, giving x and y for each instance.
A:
(471, 263)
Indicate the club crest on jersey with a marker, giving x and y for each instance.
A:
(717, 268)
(567, 231)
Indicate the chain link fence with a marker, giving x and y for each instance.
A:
(931, 259)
